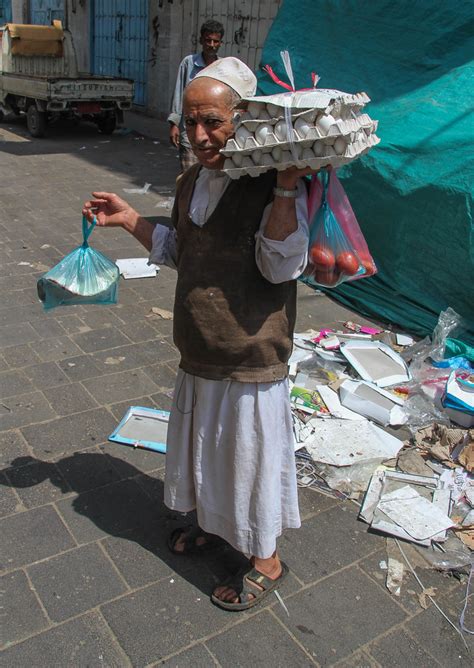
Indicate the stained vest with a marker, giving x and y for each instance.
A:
(229, 321)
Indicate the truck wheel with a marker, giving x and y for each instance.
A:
(107, 125)
(36, 121)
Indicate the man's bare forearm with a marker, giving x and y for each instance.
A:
(141, 229)
(282, 220)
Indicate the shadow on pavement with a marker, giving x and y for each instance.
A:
(129, 506)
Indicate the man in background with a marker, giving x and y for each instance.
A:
(212, 33)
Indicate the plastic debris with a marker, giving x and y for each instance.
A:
(138, 191)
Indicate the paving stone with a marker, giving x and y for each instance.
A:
(72, 324)
(339, 614)
(163, 375)
(80, 367)
(69, 399)
(12, 447)
(162, 400)
(24, 409)
(195, 657)
(437, 637)
(141, 460)
(120, 386)
(71, 433)
(37, 483)
(85, 641)
(162, 605)
(269, 643)
(75, 582)
(442, 582)
(20, 356)
(48, 327)
(107, 511)
(52, 350)
(140, 556)
(46, 375)
(9, 502)
(12, 335)
(21, 613)
(100, 339)
(138, 330)
(14, 382)
(32, 535)
(312, 503)
(137, 355)
(400, 649)
(88, 469)
(358, 659)
(337, 539)
(97, 319)
(3, 364)
(119, 409)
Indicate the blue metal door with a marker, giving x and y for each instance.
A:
(5, 11)
(45, 12)
(120, 41)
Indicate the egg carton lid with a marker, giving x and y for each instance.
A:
(317, 98)
(340, 127)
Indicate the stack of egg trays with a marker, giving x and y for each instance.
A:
(357, 130)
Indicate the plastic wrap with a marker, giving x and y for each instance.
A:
(85, 276)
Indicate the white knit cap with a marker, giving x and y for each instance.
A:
(232, 72)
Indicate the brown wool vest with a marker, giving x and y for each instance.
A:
(229, 321)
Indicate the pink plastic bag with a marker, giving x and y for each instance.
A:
(349, 231)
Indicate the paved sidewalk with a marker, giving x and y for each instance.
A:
(87, 578)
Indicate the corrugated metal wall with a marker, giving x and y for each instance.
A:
(5, 11)
(120, 41)
(46, 11)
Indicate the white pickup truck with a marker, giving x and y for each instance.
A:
(39, 77)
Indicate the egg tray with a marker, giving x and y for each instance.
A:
(340, 128)
(354, 150)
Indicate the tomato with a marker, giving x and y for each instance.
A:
(347, 263)
(321, 255)
(369, 267)
(327, 278)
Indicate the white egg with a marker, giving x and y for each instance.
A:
(276, 154)
(241, 136)
(237, 159)
(257, 156)
(318, 148)
(340, 145)
(281, 130)
(261, 132)
(296, 150)
(228, 164)
(311, 115)
(307, 154)
(325, 122)
(302, 127)
(328, 151)
(286, 157)
(267, 159)
(264, 115)
(247, 161)
(273, 110)
(254, 109)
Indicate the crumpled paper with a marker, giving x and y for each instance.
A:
(440, 442)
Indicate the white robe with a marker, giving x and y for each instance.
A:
(230, 451)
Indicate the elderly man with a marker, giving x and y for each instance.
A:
(238, 247)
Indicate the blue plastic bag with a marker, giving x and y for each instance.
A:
(85, 276)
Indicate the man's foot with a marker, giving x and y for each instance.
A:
(192, 541)
(249, 586)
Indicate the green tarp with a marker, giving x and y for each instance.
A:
(412, 194)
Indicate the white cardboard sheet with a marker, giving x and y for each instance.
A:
(337, 410)
(372, 402)
(376, 362)
(136, 267)
(347, 442)
(420, 518)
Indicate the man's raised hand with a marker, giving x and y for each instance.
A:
(110, 210)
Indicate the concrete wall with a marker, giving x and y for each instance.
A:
(78, 22)
(20, 11)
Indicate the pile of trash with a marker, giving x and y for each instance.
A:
(389, 424)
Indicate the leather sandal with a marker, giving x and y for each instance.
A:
(251, 588)
(191, 535)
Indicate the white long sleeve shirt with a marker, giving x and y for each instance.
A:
(278, 261)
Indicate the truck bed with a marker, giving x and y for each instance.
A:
(64, 89)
